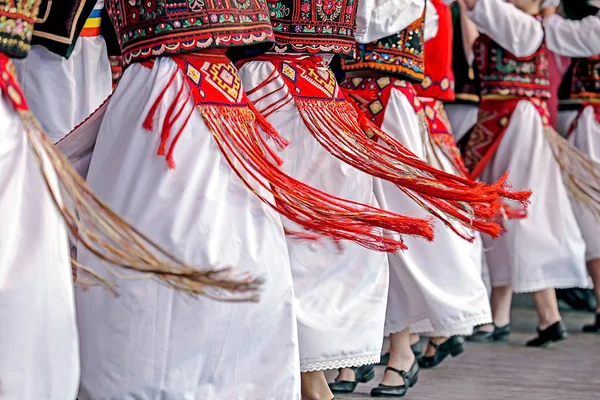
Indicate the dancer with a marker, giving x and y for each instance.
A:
(42, 195)
(67, 74)
(582, 87)
(380, 82)
(545, 250)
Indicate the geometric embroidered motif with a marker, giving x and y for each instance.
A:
(224, 78)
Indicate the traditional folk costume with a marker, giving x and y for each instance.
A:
(42, 195)
(67, 74)
(545, 249)
(380, 82)
(38, 340)
(462, 110)
(340, 289)
(581, 86)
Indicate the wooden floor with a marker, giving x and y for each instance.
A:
(569, 370)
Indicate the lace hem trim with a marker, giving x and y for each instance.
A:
(323, 365)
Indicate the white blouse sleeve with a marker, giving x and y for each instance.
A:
(376, 19)
(573, 38)
(432, 21)
(520, 33)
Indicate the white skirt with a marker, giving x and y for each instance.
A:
(544, 250)
(435, 288)
(61, 92)
(39, 355)
(586, 138)
(152, 342)
(462, 118)
(340, 294)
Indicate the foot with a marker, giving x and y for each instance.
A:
(593, 328)
(490, 333)
(347, 381)
(407, 377)
(314, 386)
(438, 351)
(391, 378)
(553, 333)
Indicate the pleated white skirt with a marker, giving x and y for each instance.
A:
(61, 92)
(546, 249)
(39, 355)
(435, 288)
(340, 294)
(151, 342)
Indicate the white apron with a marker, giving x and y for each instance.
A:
(39, 356)
(340, 294)
(586, 138)
(435, 288)
(544, 250)
(61, 92)
(153, 343)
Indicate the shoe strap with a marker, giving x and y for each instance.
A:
(403, 374)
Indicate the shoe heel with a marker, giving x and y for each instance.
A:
(414, 381)
(368, 377)
(457, 350)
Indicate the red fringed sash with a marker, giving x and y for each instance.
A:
(341, 130)
(213, 86)
(580, 174)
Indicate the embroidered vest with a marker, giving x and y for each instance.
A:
(502, 73)
(314, 26)
(465, 87)
(401, 54)
(582, 80)
(438, 82)
(60, 23)
(151, 28)
(17, 18)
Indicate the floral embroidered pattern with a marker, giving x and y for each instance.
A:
(314, 26)
(502, 73)
(400, 54)
(16, 26)
(150, 28)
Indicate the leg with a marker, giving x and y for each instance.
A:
(401, 357)
(501, 299)
(547, 308)
(314, 386)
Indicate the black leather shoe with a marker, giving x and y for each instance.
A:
(362, 374)
(410, 379)
(416, 348)
(554, 333)
(499, 334)
(593, 328)
(454, 346)
(385, 359)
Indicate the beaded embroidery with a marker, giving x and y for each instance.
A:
(149, 28)
(16, 26)
(314, 26)
(401, 54)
